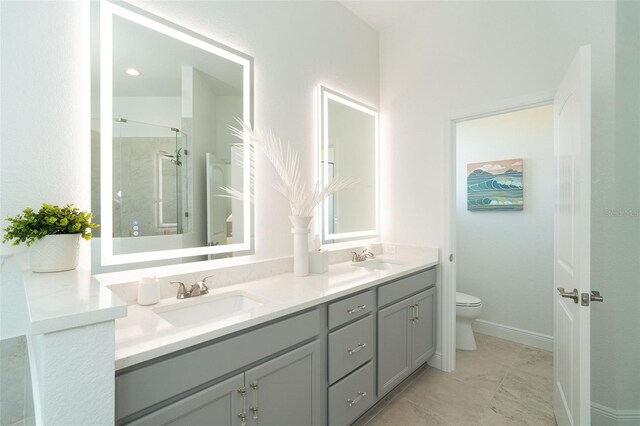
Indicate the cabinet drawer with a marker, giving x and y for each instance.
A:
(217, 404)
(351, 308)
(352, 396)
(350, 347)
(153, 383)
(406, 286)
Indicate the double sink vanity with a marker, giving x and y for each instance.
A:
(280, 350)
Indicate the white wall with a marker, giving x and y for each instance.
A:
(45, 102)
(615, 324)
(506, 257)
(44, 136)
(453, 56)
(45, 123)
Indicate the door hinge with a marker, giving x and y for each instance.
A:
(595, 296)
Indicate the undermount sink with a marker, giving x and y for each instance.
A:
(378, 264)
(207, 308)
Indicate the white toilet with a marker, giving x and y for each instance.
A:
(468, 308)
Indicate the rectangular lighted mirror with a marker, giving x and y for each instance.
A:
(167, 96)
(348, 147)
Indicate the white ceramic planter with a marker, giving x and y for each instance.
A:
(55, 253)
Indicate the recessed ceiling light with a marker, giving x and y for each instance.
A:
(132, 71)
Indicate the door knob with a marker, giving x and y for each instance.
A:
(569, 294)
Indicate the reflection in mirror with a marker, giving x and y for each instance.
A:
(166, 99)
(349, 147)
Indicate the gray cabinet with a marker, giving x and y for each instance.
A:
(286, 390)
(255, 378)
(405, 338)
(217, 405)
(350, 347)
(423, 342)
(394, 345)
(281, 392)
(351, 397)
(351, 308)
(186, 387)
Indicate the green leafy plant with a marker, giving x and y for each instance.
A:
(30, 225)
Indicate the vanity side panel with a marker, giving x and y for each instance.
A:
(154, 383)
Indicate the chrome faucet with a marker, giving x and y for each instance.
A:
(198, 289)
(366, 254)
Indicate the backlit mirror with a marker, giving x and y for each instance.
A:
(161, 133)
(348, 147)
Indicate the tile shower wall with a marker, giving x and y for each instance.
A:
(136, 176)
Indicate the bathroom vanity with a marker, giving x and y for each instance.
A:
(318, 350)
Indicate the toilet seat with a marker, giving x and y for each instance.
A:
(467, 301)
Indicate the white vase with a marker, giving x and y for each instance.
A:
(300, 233)
(55, 253)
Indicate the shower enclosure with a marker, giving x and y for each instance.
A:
(150, 179)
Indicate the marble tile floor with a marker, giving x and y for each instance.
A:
(502, 383)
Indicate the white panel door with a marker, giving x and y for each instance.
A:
(571, 356)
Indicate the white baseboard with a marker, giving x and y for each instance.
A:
(436, 361)
(605, 416)
(518, 335)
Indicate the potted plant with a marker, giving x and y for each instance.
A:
(53, 235)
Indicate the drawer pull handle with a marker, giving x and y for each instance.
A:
(357, 399)
(415, 308)
(254, 408)
(356, 309)
(358, 348)
(243, 415)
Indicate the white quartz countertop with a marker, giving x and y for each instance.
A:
(62, 300)
(143, 335)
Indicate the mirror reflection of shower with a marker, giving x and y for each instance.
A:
(150, 180)
(174, 158)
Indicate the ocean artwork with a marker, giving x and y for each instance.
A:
(494, 185)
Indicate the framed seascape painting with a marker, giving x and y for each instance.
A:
(495, 185)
